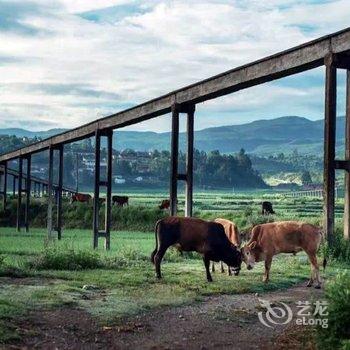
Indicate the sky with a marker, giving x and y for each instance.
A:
(64, 63)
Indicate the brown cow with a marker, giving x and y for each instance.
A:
(165, 204)
(232, 234)
(273, 238)
(80, 197)
(191, 234)
(120, 200)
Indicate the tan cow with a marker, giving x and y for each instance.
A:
(232, 234)
(273, 238)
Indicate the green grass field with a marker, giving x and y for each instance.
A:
(124, 284)
(126, 288)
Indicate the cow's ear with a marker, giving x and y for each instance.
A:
(252, 245)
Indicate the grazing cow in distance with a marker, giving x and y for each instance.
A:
(232, 234)
(273, 238)
(80, 197)
(120, 200)
(267, 208)
(165, 204)
(191, 234)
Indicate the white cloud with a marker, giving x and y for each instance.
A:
(78, 6)
(145, 54)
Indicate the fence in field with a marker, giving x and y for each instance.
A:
(310, 193)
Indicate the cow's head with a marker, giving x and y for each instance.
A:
(248, 254)
(235, 261)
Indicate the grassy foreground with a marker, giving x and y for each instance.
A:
(123, 282)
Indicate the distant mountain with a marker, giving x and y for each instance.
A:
(271, 136)
(30, 134)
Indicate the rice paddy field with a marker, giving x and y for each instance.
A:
(233, 205)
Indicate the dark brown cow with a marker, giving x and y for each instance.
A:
(165, 204)
(80, 197)
(266, 208)
(120, 200)
(191, 234)
(273, 238)
(232, 234)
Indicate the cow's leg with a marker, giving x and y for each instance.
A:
(158, 259)
(206, 261)
(229, 270)
(268, 261)
(222, 267)
(212, 266)
(315, 273)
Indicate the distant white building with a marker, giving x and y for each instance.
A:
(89, 162)
(119, 180)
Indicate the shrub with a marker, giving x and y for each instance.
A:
(7, 270)
(65, 259)
(136, 218)
(340, 248)
(79, 215)
(127, 257)
(337, 335)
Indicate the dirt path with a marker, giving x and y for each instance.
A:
(220, 322)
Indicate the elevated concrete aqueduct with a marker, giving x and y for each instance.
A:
(332, 51)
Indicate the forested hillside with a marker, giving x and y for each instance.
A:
(145, 169)
(262, 137)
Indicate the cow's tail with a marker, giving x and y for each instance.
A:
(156, 237)
(324, 263)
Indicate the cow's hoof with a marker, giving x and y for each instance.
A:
(309, 284)
(318, 287)
(210, 280)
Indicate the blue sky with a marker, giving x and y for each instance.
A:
(64, 63)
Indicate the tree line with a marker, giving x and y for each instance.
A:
(211, 169)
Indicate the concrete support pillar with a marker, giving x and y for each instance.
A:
(329, 146)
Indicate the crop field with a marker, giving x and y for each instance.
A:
(232, 203)
(142, 213)
(240, 206)
(38, 276)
